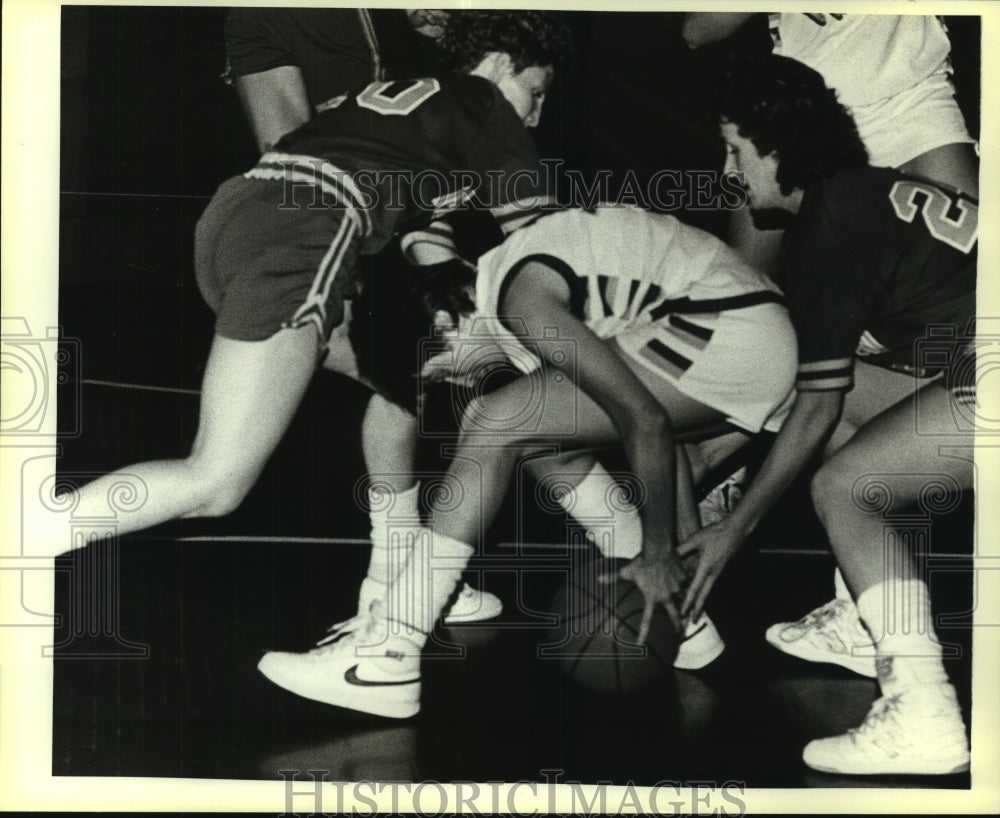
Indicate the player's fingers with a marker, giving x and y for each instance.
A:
(673, 611)
(700, 597)
(626, 572)
(818, 19)
(692, 592)
(688, 547)
(647, 619)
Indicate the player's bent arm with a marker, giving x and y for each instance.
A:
(275, 102)
(541, 298)
(704, 27)
(809, 424)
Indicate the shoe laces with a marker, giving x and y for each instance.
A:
(341, 629)
(363, 624)
(822, 616)
(882, 714)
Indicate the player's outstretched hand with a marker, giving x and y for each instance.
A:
(662, 582)
(713, 547)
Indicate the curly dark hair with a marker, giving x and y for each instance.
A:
(531, 38)
(395, 313)
(784, 106)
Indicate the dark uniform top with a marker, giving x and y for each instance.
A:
(874, 262)
(335, 49)
(405, 152)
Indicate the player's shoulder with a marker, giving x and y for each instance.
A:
(467, 85)
(852, 194)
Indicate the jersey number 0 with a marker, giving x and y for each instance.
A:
(400, 98)
(949, 217)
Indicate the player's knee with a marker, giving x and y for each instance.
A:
(480, 430)
(217, 491)
(830, 486)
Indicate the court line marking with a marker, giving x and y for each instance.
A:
(533, 545)
(141, 387)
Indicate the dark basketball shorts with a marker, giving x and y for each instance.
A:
(262, 267)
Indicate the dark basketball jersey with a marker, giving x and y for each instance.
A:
(874, 262)
(415, 149)
(334, 49)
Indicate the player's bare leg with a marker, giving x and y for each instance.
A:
(916, 727)
(833, 632)
(250, 392)
(389, 436)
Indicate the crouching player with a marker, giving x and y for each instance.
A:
(662, 329)
(873, 262)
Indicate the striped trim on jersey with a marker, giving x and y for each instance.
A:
(437, 238)
(309, 170)
(313, 309)
(705, 305)
(825, 376)
(515, 215)
(961, 376)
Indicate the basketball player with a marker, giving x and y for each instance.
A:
(276, 249)
(634, 327)
(875, 263)
(286, 65)
(893, 73)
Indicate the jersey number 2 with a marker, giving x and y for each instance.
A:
(949, 217)
(394, 98)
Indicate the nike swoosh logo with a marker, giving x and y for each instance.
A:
(351, 677)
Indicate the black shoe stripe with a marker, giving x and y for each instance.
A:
(351, 677)
(693, 635)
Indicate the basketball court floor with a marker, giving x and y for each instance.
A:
(161, 681)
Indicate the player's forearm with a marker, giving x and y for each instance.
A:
(808, 425)
(649, 447)
(704, 27)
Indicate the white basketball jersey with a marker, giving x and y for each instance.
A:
(864, 57)
(625, 266)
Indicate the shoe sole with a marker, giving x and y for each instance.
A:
(353, 698)
(961, 767)
(860, 666)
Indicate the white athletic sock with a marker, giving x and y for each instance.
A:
(907, 652)
(611, 523)
(417, 597)
(395, 521)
